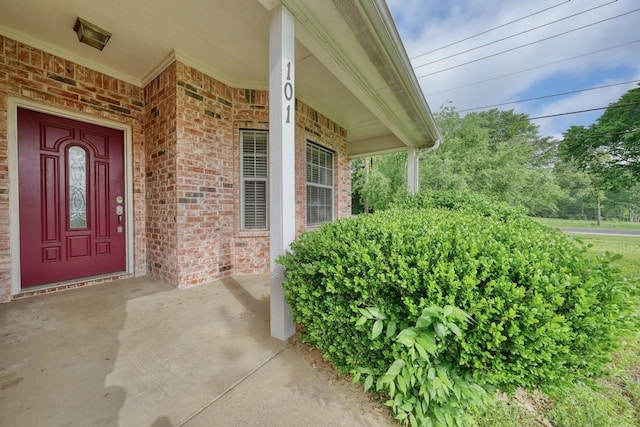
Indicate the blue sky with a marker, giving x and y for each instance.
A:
(425, 25)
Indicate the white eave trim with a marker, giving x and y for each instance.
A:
(189, 61)
(112, 72)
(395, 49)
(65, 54)
(324, 46)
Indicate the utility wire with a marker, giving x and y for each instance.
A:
(527, 44)
(548, 116)
(489, 30)
(532, 68)
(548, 96)
(597, 135)
(513, 35)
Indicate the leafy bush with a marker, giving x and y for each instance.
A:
(461, 201)
(542, 314)
(423, 388)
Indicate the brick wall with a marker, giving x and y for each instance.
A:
(205, 178)
(161, 176)
(210, 116)
(251, 111)
(29, 73)
(186, 160)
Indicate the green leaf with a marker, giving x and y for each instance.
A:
(361, 321)
(398, 399)
(377, 329)
(431, 311)
(407, 407)
(421, 351)
(448, 310)
(401, 415)
(439, 415)
(395, 367)
(455, 329)
(365, 313)
(444, 376)
(424, 322)
(449, 419)
(441, 330)
(407, 337)
(456, 313)
(386, 378)
(368, 383)
(431, 374)
(456, 392)
(428, 342)
(356, 377)
(391, 329)
(376, 313)
(402, 384)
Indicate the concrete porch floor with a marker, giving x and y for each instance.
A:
(139, 353)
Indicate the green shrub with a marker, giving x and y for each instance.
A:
(541, 313)
(423, 388)
(461, 201)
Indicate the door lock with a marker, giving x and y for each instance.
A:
(119, 212)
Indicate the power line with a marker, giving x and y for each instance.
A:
(532, 68)
(548, 96)
(548, 116)
(514, 35)
(527, 44)
(496, 125)
(623, 132)
(489, 30)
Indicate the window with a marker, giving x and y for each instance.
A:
(319, 185)
(253, 175)
(77, 187)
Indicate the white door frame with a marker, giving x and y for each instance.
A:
(14, 208)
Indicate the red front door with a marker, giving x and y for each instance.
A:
(71, 178)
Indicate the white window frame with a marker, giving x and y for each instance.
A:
(313, 146)
(244, 180)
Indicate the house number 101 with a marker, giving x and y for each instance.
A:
(288, 92)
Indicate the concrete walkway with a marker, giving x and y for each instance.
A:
(140, 353)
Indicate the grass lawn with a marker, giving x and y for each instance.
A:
(574, 223)
(628, 247)
(615, 399)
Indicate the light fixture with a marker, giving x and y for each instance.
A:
(91, 34)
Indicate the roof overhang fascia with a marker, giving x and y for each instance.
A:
(390, 38)
(399, 102)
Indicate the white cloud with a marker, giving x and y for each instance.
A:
(428, 24)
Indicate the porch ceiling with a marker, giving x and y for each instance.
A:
(350, 64)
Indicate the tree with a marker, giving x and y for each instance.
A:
(385, 182)
(609, 148)
(495, 153)
(576, 202)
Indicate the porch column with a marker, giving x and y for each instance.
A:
(282, 190)
(412, 170)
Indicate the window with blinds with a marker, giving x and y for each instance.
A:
(254, 175)
(319, 185)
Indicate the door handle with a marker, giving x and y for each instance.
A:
(120, 213)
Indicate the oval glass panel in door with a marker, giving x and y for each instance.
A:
(77, 195)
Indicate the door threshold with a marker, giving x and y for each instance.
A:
(70, 284)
